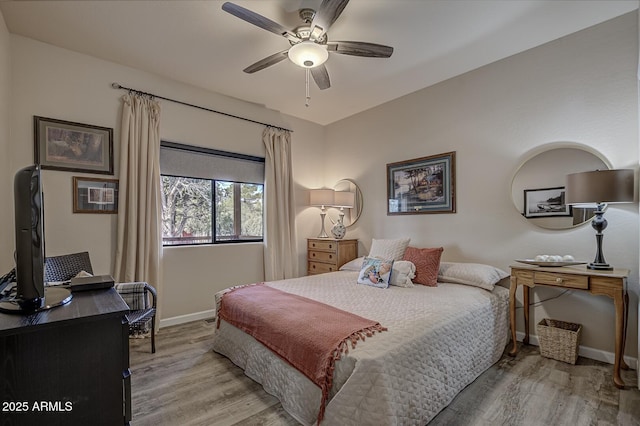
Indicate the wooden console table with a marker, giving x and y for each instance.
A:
(608, 283)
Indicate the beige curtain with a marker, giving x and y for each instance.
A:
(280, 254)
(139, 238)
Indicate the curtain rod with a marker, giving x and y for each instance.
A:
(118, 86)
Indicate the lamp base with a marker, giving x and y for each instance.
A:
(599, 223)
(600, 266)
(323, 233)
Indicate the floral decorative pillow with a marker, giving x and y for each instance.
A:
(375, 272)
(401, 274)
(427, 261)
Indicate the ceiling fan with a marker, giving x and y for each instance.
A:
(310, 46)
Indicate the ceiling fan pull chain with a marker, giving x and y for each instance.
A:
(308, 98)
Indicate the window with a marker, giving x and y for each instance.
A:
(210, 196)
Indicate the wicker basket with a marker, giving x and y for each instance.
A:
(559, 340)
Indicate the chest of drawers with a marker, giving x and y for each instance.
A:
(327, 255)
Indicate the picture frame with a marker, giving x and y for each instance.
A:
(75, 147)
(545, 202)
(95, 195)
(422, 185)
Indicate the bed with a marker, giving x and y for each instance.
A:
(439, 339)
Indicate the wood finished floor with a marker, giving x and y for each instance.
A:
(185, 383)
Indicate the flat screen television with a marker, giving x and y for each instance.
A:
(30, 295)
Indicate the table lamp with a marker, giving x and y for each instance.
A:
(600, 188)
(343, 199)
(321, 198)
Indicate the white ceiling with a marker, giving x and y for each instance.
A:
(196, 42)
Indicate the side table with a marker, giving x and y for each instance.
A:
(608, 283)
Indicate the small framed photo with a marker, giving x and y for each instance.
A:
(422, 185)
(75, 147)
(545, 202)
(95, 195)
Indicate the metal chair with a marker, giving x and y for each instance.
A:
(65, 267)
(142, 314)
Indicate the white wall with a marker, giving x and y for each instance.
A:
(581, 89)
(53, 82)
(6, 188)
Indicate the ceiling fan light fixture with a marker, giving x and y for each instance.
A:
(308, 54)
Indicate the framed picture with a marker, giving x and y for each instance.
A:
(545, 202)
(422, 185)
(76, 147)
(95, 195)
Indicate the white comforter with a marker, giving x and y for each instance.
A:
(439, 340)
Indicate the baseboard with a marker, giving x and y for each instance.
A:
(181, 319)
(586, 351)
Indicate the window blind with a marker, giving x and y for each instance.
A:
(205, 163)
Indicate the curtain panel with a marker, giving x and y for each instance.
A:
(280, 254)
(139, 232)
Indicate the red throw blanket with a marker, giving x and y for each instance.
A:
(309, 335)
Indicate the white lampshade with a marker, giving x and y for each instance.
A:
(344, 199)
(321, 197)
(308, 54)
(600, 186)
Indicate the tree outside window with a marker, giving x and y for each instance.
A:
(189, 206)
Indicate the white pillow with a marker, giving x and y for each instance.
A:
(354, 265)
(475, 274)
(389, 249)
(402, 273)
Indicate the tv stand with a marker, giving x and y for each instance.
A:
(69, 365)
(53, 297)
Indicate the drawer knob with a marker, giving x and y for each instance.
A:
(330, 256)
(313, 255)
(330, 246)
(558, 280)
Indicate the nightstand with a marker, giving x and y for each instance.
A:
(328, 255)
(607, 283)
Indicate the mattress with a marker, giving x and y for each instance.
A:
(439, 340)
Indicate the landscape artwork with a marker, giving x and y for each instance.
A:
(64, 145)
(422, 185)
(545, 202)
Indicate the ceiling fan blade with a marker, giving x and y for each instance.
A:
(266, 62)
(321, 77)
(360, 48)
(259, 20)
(326, 15)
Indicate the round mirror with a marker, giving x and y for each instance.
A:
(537, 188)
(351, 215)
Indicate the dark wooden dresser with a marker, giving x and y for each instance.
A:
(68, 365)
